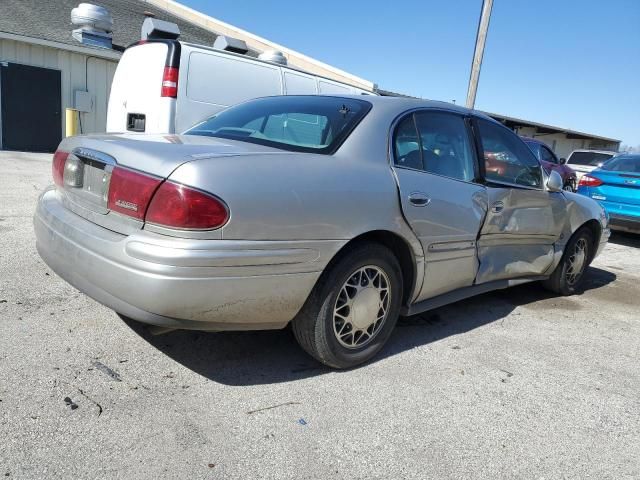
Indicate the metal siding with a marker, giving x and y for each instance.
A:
(8, 50)
(72, 66)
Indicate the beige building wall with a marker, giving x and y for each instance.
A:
(563, 146)
(76, 69)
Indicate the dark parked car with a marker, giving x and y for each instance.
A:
(550, 161)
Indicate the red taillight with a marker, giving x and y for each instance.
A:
(178, 206)
(589, 181)
(170, 82)
(130, 192)
(57, 167)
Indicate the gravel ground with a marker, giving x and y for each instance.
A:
(512, 384)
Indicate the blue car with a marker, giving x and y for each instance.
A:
(616, 185)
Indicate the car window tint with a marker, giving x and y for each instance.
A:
(296, 128)
(546, 155)
(506, 157)
(313, 123)
(446, 149)
(628, 164)
(407, 145)
(535, 148)
(588, 158)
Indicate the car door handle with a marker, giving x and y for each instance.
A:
(497, 207)
(419, 199)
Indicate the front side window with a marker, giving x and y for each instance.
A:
(547, 155)
(436, 142)
(316, 124)
(535, 148)
(506, 158)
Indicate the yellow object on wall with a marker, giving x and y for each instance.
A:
(71, 122)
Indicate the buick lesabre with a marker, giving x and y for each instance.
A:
(334, 214)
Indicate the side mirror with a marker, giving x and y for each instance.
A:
(563, 161)
(554, 182)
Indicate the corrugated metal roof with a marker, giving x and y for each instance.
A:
(550, 129)
(51, 20)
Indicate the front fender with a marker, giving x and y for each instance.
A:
(580, 210)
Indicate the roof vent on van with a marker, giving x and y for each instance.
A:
(152, 28)
(273, 56)
(230, 44)
(96, 25)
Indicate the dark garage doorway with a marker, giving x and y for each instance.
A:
(30, 108)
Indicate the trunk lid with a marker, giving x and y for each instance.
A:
(92, 159)
(618, 187)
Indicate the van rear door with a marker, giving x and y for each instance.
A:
(214, 80)
(136, 103)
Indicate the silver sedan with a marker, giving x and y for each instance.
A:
(334, 214)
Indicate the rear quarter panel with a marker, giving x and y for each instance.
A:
(293, 196)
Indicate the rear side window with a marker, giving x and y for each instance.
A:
(297, 123)
(507, 159)
(436, 142)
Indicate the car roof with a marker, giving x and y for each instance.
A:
(408, 103)
(533, 140)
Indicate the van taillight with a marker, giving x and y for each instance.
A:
(178, 206)
(57, 167)
(170, 82)
(130, 192)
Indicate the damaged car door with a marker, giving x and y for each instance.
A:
(435, 164)
(523, 220)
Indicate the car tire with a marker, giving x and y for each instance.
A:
(569, 186)
(332, 326)
(577, 256)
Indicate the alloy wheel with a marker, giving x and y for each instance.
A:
(362, 306)
(577, 261)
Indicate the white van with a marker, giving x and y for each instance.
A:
(167, 86)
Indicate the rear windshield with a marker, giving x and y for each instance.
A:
(625, 163)
(316, 124)
(589, 158)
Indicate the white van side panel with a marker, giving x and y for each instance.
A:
(136, 89)
(331, 88)
(296, 83)
(213, 81)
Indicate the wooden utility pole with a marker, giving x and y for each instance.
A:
(481, 38)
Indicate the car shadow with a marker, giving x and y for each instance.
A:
(625, 239)
(266, 357)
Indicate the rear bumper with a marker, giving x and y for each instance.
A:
(192, 284)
